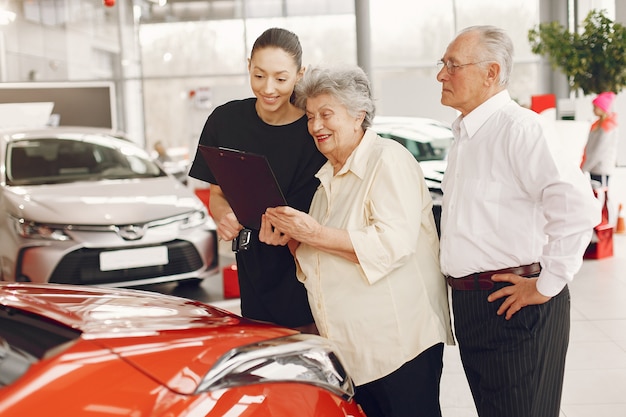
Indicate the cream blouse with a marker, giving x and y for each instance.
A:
(392, 305)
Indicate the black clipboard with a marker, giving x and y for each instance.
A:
(247, 181)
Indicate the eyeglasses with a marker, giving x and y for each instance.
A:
(451, 68)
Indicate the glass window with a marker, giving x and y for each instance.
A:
(408, 33)
(193, 48)
(318, 36)
(516, 16)
(585, 6)
(407, 38)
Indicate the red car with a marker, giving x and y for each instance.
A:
(85, 351)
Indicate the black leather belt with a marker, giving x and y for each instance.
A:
(482, 280)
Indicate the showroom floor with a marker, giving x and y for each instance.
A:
(595, 379)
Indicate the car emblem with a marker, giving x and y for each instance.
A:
(131, 232)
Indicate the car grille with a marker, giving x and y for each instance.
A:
(83, 266)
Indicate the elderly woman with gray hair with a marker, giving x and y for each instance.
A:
(367, 251)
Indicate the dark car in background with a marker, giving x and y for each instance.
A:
(69, 350)
(429, 141)
(88, 206)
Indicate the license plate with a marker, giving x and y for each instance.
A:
(133, 258)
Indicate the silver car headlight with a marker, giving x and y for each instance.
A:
(194, 219)
(33, 230)
(300, 358)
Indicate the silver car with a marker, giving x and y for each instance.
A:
(429, 141)
(88, 206)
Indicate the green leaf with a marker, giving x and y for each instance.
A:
(594, 60)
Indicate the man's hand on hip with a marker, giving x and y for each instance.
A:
(522, 293)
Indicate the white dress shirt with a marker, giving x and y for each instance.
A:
(392, 305)
(507, 202)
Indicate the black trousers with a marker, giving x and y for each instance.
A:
(514, 367)
(602, 179)
(410, 391)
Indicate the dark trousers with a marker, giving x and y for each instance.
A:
(602, 179)
(410, 391)
(514, 367)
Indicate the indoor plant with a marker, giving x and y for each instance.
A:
(593, 61)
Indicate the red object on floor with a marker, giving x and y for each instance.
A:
(602, 244)
(603, 248)
(204, 195)
(231, 281)
(619, 227)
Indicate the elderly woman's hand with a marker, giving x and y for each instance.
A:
(271, 235)
(302, 228)
(294, 223)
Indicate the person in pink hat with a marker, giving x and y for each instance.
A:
(601, 149)
(600, 157)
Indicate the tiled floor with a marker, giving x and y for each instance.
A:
(595, 378)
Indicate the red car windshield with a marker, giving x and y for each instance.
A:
(25, 339)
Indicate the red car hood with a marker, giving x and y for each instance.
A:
(173, 340)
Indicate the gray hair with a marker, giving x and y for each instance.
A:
(349, 85)
(497, 46)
